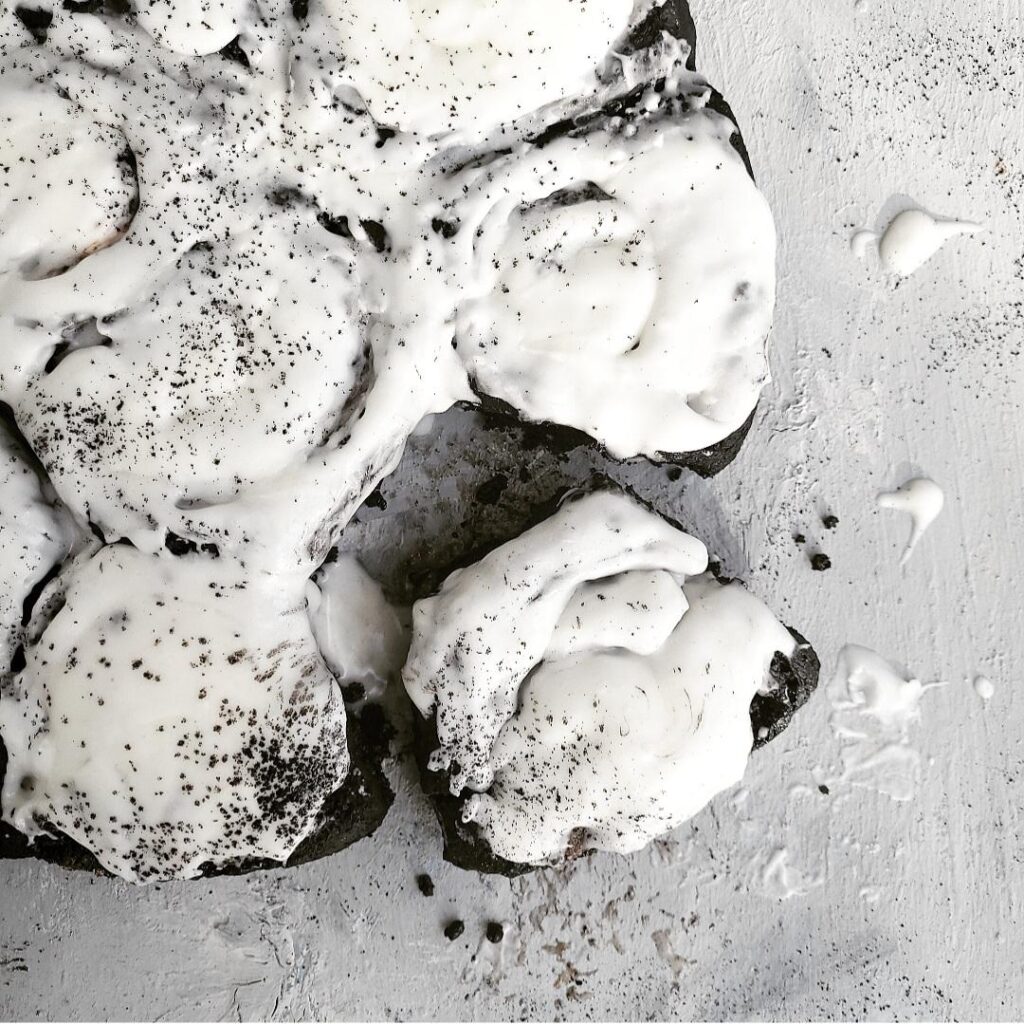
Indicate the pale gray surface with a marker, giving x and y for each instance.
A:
(896, 909)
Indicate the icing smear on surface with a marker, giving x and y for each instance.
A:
(875, 704)
(591, 679)
(922, 499)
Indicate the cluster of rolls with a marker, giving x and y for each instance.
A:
(246, 248)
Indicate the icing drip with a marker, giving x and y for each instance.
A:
(922, 499)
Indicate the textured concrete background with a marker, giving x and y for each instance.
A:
(779, 900)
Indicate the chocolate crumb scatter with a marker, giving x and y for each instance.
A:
(454, 930)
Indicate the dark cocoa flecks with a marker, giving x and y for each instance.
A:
(820, 562)
(830, 521)
(495, 932)
(823, 789)
(453, 930)
(425, 884)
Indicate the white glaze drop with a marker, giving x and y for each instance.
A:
(922, 499)
(914, 236)
(877, 688)
(875, 705)
(984, 688)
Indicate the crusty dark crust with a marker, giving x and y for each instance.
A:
(794, 680)
(351, 813)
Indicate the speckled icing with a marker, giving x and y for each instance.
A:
(239, 264)
(34, 537)
(590, 675)
(438, 67)
(174, 712)
(395, 261)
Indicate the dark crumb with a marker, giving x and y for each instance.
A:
(820, 562)
(830, 521)
(353, 692)
(453, 930)
(799, 538)
(376, 500)
(425, 884)
(673, 473)
(823, 789)
(495, 932)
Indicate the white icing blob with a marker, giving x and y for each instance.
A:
(861, 241)
(175, 712)
(33, 538)
(433, 67)
(358, 632)
(193, 26)
(679, 365)
(65, 192)
(878, 689)
(589, 676)
(984, 688)
(222, 377)
(515, 597)
(875, 707)
(914, 236)
(922, 499)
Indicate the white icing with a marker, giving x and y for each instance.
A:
(984, 688)
(175, 712)
(587, 675)
(149, 425)
(876, 704)
(680, 365)
(358, 632)
(922, 499)
(65, 193)
(433, 67)
(914, 236)
(861, 241)
(33, 538)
